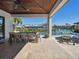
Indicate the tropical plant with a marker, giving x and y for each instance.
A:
(25, 30)
(17, 21)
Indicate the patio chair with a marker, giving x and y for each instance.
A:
(24, 37)
(17, 37)
(38, 36)
(31, 37)
(11, 38)
(75, 40)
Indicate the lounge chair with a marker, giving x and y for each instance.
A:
(66, 39)
(75, 39)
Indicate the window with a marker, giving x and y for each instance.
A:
(2, 29)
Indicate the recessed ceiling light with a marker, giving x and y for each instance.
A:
(28, 9)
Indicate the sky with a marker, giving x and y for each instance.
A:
(69, 13)
(27, 20)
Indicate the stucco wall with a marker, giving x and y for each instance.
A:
(8, 23)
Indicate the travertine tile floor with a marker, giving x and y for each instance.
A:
(47, 49)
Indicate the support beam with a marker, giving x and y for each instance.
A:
(30, 15)
(50, 27)
(58, 6)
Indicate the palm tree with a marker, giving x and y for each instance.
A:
(17, 21)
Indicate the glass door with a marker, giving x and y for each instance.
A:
(2, 29)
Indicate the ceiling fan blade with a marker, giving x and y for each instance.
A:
(23, 7)
(15, 7)
(17, 1)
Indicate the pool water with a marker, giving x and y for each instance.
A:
(61, 32)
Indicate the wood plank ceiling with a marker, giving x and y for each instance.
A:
(27, 6)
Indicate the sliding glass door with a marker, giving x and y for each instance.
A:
(2, 27)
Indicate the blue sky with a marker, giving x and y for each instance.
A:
(27, 20)
(67, 14)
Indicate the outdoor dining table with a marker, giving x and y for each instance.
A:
(13, 35)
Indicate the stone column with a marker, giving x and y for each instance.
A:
(49, 27)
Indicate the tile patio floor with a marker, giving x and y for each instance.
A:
(47, 49)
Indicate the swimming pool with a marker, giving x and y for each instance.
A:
(61, 32)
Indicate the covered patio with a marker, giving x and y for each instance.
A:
(28, 8)
(10, 9)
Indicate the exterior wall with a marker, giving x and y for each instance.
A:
(8, 23)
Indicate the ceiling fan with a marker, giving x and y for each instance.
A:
(18, 3)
